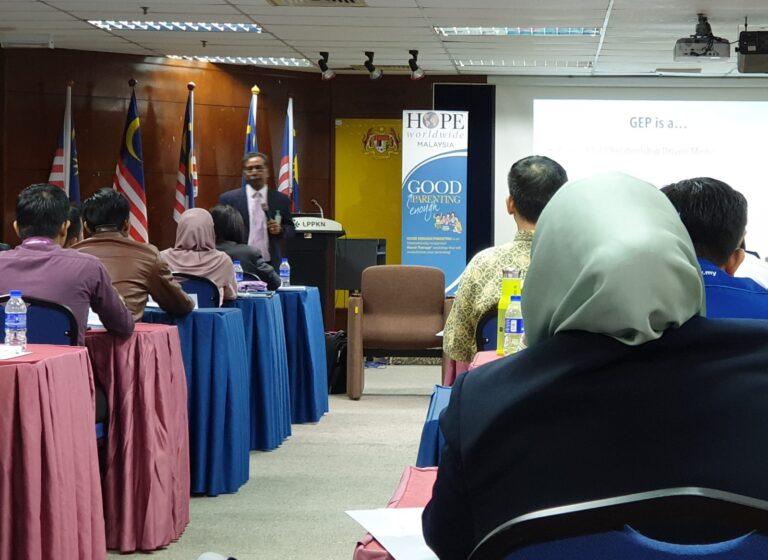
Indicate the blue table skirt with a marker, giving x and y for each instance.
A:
(307, 367)
(216, 361)
(270, 392)
(431, 438)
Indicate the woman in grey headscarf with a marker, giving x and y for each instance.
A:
(195, 253)
(624, 387)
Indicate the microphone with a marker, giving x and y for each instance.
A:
(316, 203)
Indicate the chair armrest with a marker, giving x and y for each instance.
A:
(355, 374)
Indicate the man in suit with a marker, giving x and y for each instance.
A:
(259, 205)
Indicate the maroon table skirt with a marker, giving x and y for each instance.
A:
(50, 492)
(146, 471)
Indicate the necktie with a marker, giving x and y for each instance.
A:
(258, 236)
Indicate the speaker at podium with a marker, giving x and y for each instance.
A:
(311, 253)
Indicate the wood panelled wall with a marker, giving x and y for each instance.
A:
(32, 87)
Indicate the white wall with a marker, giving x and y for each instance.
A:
(514, 115)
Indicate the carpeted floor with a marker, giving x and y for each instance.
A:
(293, 506)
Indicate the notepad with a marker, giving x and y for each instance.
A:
(398, 530)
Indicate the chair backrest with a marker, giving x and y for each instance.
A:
(48, 322)
(402, 306)
(395, 288)
(206, 291)
(574, 531)
(485, 332)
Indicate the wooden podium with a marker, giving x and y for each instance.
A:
(312, 256)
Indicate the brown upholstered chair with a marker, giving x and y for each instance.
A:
(399, 313)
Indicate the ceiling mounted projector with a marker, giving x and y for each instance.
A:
(702, 44)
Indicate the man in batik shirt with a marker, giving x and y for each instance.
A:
(532, 182)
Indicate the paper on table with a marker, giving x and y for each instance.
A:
(440, 333)
(398, 530)
(10, 352)
(93, 320)
(292, 288)
(152, 303)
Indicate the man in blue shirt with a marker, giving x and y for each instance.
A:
(715, 216)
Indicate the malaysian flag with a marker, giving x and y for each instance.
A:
(186, 179)
(64, 173)
(129, 174)
(251, 144)
(288, 177)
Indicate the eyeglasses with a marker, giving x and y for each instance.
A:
(254, 167)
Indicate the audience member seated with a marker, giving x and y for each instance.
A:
(75, 229)
(715, 216)
(532, 181)
(195, 252)
(136, 269)
(230, 234)
(41, 268)
(625, 387)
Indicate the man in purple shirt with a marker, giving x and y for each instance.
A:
(41, 268)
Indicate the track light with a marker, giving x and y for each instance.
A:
(416, 72)
(326, 73)
(372, 70)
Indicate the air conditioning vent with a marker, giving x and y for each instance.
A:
(319, 3)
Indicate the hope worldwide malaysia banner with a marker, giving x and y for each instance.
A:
(434, 191)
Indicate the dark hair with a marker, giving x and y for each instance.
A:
(250, 155)
(41, 210)
(228, 224)
(106, 208)
(75, 223)
(714, 214)
(532, 182)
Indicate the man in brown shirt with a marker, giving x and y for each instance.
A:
(136, 268)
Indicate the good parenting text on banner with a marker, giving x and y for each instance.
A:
(435, 192)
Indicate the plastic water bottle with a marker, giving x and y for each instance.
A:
(16, 321)
(238, 271)
(513, 326)
(285, 273)
(278, 217)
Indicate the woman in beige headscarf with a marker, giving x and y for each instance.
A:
(195, 252)
(624, 387)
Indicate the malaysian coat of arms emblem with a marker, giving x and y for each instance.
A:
(381, 142)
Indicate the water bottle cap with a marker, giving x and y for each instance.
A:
(237, 262)
(284, 260)
(15, 293)
(515, 298)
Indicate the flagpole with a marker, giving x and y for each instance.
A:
(290, 143)
(254, 111)
(67, 136)
(192, 163)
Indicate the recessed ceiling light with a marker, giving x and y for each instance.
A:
(524, 63)
(519, 31)
(213, 27)
(255, 60)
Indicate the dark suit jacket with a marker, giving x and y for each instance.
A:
(581, 417)
(251, 261)
(275, 201)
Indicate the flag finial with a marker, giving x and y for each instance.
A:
(70, 83)
(191, 86)
(132, 82)
(255, 90)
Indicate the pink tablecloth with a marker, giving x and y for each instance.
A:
(146, 478)
(414, 490)
(50, 493)
(482, 358)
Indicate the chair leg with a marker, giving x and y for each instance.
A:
(355, 365)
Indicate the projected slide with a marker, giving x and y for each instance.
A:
(663, 142)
